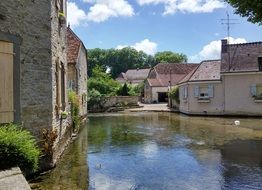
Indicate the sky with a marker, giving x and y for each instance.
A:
(191, 27)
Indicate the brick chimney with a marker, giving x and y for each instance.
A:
(224, 46)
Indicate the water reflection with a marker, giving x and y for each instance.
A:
(162, 151)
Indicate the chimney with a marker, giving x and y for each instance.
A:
(224, 46)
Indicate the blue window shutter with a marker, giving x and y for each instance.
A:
(211, 91)
(196, 91)
(253, 90)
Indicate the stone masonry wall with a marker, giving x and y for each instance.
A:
(30, 20)
(82, 80)
(59, 55)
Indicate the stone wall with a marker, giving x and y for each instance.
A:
(120, 101)
(30, 20)
(43, 44)
(82, 79)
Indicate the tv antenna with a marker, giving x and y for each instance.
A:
(228, 22)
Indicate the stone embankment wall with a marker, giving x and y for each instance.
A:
(13, 179)
(116, 103)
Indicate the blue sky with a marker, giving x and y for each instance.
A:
(192, 27)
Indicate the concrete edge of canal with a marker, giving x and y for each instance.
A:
(13, 179)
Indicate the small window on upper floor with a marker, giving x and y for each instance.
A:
(259, 63)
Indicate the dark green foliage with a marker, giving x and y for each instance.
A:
(174, 94)
(74, 100)
(118, 60)
(123, 90)
(18, 148)
(102, 82)
(170, 57)
(94, 99)
(248, 8)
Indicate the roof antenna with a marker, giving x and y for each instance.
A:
(228, 22)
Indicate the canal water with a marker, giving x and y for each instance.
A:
(160, 151)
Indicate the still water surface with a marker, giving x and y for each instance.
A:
(158, 151)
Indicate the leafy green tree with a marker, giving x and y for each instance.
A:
(102, 82)
(248, 8)
(118, 60)
(170, 57)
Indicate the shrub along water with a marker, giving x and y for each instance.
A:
(18, 148)
(75, 103)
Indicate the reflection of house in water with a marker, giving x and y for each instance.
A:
(242, 162)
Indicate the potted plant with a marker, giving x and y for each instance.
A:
(62, 17)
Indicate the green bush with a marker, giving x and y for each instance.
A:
(94, 98)
(75, 103)
(18, 148)
(174, 94)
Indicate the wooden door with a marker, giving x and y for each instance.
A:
(6, 83)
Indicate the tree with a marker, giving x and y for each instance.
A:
(170, 57)
(251, 9)
(102, 82)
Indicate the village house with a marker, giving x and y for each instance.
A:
(162, 77)
(133, 76)
(77, 69)
(241, 74)
(232, 86)
(201, 90)
(33, 72)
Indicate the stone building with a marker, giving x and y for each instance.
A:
(77, 68)
(133, 76)
(162, 77)
(33, 67)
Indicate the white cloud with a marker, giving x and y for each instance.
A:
(75, 15)
(213, 50)
(145, 45)
(102, 10)
(190, 6)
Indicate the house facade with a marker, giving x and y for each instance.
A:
(133, 76)
(232, 86)
(162, 77)
(241, 73)
(33, 72)
(77, 69)
(200, 92)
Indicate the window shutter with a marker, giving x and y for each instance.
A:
(185, 92)
(253, 90)
(196, 91)
(211, 91)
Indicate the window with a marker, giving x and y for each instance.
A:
(260, 63)
(63, 89)
(204, 92)
(184, 92)
(256, 91)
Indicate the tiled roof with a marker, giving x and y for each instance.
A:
(207, 71)
(137, 74)
(73, 45)
(170, 73)
(134, 75)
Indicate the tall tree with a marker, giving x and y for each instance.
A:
(248, 8)
(170, 57)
